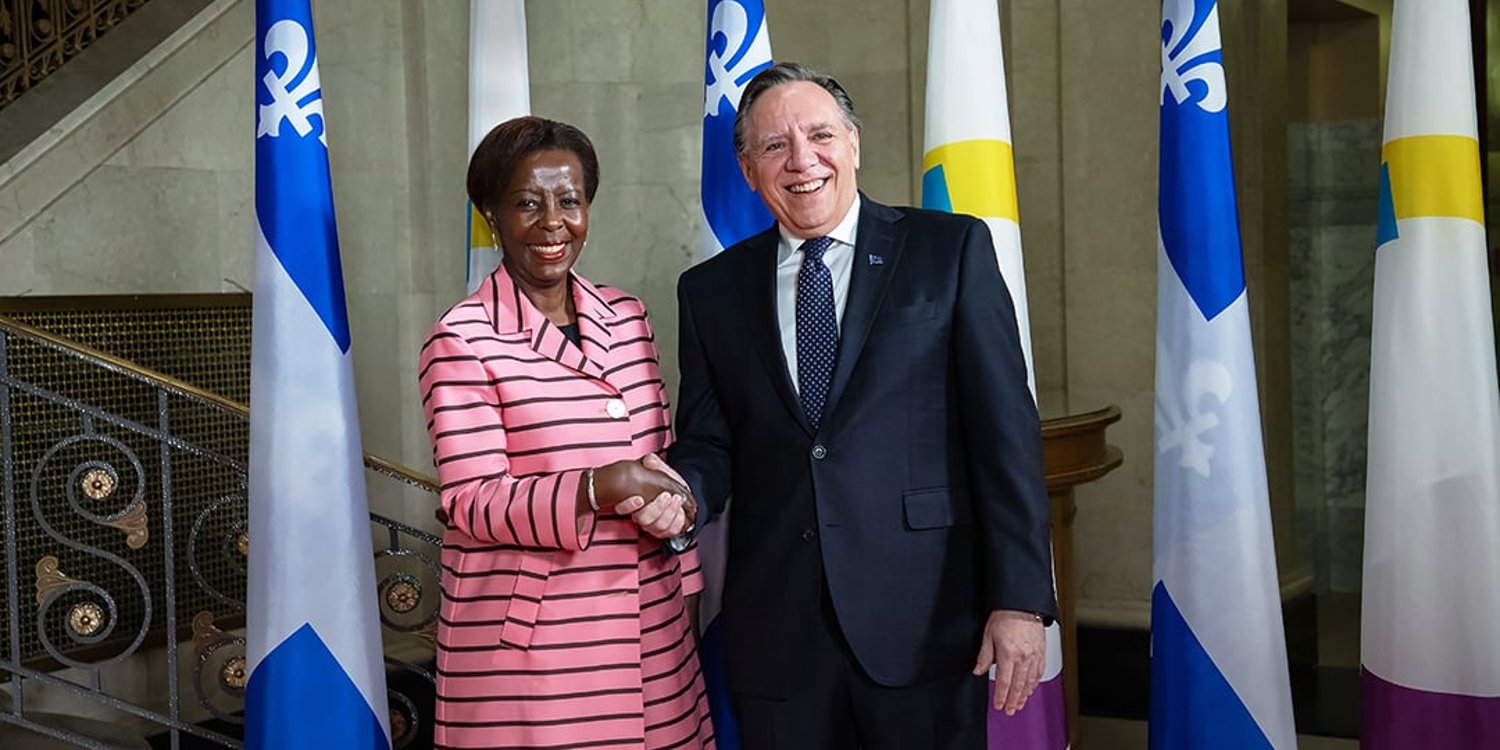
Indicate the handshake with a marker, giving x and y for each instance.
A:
(652, 493)
(648, 490)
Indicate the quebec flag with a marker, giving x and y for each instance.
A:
(1218, 654)
(969, 167)
(317, 679)
(739, 46)
(1430, 672)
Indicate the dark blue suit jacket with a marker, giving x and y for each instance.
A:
(920, 499)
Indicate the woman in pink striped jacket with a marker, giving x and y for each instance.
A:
(562, 621)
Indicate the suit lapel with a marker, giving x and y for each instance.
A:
(596, 336)
(758, 291)
(511, 313)
(877, 253)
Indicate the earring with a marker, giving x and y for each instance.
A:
(489, 223)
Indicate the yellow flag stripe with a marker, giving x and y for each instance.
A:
(479, 231)
(1435, 175)
(981, 177)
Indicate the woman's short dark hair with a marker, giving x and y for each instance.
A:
(508, 144)
(789, 72)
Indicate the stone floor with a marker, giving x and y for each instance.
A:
(1338, 651)
(16, 738)
(1095, 733)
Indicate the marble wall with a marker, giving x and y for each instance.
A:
(145, 188)
(1334, 189)
(1333, 145)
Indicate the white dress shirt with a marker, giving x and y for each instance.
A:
(840, 261)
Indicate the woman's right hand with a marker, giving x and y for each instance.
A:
(670, 509)
(624, 486)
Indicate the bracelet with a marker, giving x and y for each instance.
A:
(588, 478)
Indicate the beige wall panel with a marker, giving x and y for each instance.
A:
(1109, 73)
(1032, 63)
(1319, 88)
(630, 74)
(866, 46)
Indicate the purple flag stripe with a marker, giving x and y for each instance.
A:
(1041, 725)
(1403, 718)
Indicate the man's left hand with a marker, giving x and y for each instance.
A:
(1016, 644)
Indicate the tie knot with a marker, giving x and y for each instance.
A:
(814, 248)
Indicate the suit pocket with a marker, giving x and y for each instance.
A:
(937, 508)
(526, 600)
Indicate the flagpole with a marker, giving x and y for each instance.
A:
(968, 166)
(1219, 674)
(738, 45)
(313, 650)
(499, 89)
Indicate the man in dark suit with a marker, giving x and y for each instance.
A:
(853, 378)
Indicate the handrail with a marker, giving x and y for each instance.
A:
(44, 35)
(188, 390)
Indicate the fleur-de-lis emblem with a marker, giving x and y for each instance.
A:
(1182, 416)
(732, 22)
(1185, 59)
(293, 105)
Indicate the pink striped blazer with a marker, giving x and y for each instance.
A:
(551, 635)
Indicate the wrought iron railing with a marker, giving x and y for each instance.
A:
(38, 36)
(125, 542)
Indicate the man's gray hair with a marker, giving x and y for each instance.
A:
(789, 72)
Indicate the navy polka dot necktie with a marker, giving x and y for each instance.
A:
(817, 329)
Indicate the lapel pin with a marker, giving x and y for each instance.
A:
(876, 260)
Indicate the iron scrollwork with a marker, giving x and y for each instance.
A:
(220, 673)
(90, 613)
(38, 36)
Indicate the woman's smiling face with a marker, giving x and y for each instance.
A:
(542, 218)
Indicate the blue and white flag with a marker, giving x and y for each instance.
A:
(739, 46)
(1218, 654)
(317, 678)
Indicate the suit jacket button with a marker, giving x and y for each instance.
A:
(819, 452)
(615, 408)
(809, 535)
